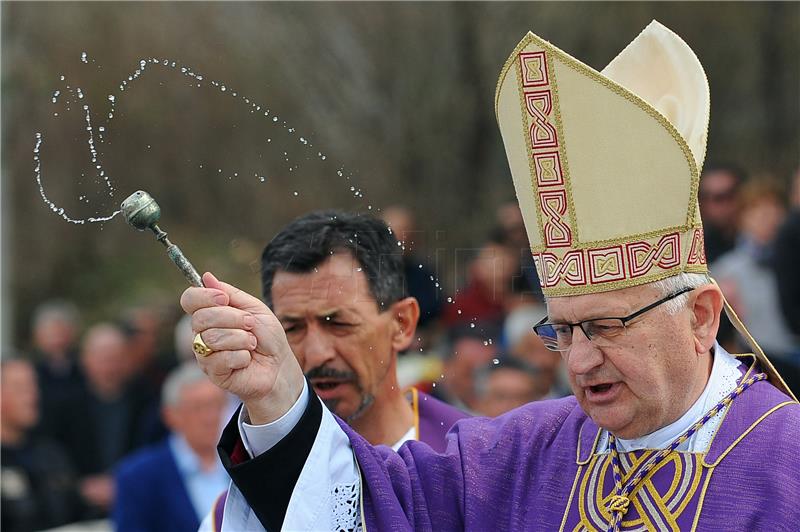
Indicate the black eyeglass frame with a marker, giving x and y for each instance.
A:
(623, 320)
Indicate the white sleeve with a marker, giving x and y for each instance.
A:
(258, 439)
(327, 493)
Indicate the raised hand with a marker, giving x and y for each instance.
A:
(251, 357)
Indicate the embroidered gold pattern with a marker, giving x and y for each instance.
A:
(586, 267)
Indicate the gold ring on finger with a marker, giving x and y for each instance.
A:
(199, 346)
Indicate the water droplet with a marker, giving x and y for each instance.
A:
(274, 118)
(111, 98)
(471, 325)
(296, 193)
(101, 129)
(63, 78)
(84, 57)
(223, 89)
(262, 178)
(495, 361)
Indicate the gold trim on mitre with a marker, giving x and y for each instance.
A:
(606, 165)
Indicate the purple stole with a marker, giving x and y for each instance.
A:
(434, 419)
(537, 468)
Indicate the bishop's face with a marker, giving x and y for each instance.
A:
(645, 378)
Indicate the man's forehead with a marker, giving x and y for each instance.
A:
(332, 286)
(586, 306)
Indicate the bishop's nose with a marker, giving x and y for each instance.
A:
(583, 356)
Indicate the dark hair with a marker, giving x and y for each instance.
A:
(310, 240)
(503, 361)
(738, 173)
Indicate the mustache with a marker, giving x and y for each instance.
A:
(323, 372)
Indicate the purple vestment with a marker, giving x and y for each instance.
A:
(536, 468)
(435, 419)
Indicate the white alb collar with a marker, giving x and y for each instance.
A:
(723, 380)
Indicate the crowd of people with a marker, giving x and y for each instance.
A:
(107, 421)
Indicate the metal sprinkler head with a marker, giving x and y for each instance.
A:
(142, 212)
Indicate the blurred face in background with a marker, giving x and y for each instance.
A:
(531, 349)
(494, 267)
(761, 219)
(53, 336)
(506, 389)
(510, 219)
(197, 415)
(19, 395)
(143, 341)
(717, 197)
(103, 357)
(469, 354)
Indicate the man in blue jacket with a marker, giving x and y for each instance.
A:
(171, 485)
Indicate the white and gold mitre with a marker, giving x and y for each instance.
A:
(606, 164)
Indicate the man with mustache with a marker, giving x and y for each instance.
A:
(335, 282)
(666, 430)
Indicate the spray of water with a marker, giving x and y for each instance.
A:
(195, 80)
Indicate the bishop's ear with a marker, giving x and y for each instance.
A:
(705, 303)
(406, 314)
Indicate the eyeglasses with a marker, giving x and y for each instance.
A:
(601, 331)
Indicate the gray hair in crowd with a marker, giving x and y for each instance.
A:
(56, 309)
(180, 377)
(520, 322)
